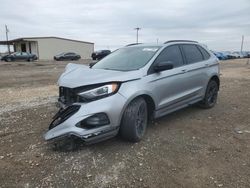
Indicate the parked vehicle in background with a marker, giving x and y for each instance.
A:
(238, 54)
(121, 92)
(220, 55)
(98, 55)
(70, 56)
(19, 56)
(247, 54)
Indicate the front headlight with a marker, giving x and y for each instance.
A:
(100, 92)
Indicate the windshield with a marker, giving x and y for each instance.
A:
(127, 59)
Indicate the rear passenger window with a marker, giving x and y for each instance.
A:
(192, 53)
(171, 53)
(204, 53)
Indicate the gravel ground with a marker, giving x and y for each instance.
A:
(188, 148)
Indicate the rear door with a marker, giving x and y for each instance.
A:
(69, 56)
(196, 69)
(24, 56)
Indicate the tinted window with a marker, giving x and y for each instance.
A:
(192, 53)
(69, 54)
(17, 53)
(204, 53)
(171, 53)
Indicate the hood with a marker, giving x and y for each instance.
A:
(76, 75)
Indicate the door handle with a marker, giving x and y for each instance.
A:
(183, 70)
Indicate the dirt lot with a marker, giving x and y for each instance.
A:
(189, 148)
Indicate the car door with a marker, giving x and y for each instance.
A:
(169, 88)
(196, 69)
(18, 56)
(68, 56)
(24, 56)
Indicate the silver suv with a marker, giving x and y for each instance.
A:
(126, 88)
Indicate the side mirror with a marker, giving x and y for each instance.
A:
(164, 65)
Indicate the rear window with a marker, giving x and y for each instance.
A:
(204, 53)
(192, 53)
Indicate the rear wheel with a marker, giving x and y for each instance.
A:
(210, 98)
(134, 120)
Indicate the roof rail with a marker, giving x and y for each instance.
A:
(180, 41)
(133, 44)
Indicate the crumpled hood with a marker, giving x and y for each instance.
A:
(76, 75)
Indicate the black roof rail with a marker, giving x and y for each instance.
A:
(180, 41)
(133, 44)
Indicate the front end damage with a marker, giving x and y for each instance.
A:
(90, 121)
(90, 103)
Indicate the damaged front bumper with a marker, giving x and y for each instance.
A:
(91, 122)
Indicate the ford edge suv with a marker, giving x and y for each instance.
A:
(126, 88)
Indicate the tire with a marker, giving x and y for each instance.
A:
(8, 59)
(211, 95)
(134, 120)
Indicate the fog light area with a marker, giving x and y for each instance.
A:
(94, 121)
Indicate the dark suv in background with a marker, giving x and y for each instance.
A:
(97, 55)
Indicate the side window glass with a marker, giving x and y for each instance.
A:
(204, 53)
(171, 53)
(192, 53)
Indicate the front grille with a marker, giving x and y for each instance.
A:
(63, 114)
(66, 95)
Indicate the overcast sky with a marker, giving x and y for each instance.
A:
(109, 23)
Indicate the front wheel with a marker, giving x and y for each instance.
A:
(211, 95)
(8, 59)
(134, 120)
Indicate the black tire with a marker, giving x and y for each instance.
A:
(134, 120)
(8, 59)
(211, 95)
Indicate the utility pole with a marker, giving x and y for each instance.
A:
(137, 31)
(7, 39)
(242, 41)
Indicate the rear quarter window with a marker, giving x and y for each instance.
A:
(192, 53)
(204, 52)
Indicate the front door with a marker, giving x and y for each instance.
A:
(169, 87)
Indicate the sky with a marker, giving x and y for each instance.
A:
(110, 24)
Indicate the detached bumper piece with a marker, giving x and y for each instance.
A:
(63, 114)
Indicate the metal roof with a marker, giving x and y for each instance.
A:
(34, 38)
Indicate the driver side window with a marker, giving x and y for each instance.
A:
(171, 53)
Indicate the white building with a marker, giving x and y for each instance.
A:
(47, 47)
